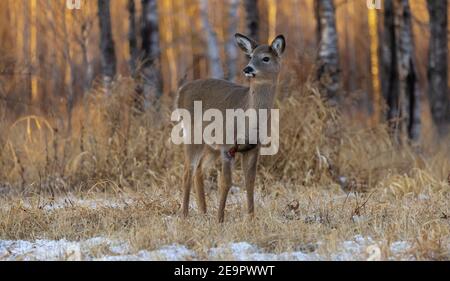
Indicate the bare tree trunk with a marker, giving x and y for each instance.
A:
(132, 37)
(153, 87)
(85, 31)
(231, 45)
(318, 23)
(199, 60)
(414, 125)
(252, 19)
(328, 57)
(34, 52)
(374, 65)
(170, 43)
(389, 75)
(108, 54)
(55, 73)
(70, 71)
(27, 47)
(350, 54)
(272, 18)
(86, 23)
(408, 92)
(437, 65)
(215, 65)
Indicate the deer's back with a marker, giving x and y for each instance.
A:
(213, 93)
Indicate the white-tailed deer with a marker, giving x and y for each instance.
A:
(262, 70)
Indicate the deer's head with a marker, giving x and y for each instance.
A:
(265, 60)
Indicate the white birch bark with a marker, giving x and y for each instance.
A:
(215, 65)
(231, 49)
(328, 58)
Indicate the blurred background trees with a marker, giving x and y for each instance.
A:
(107, 46)
(438, 64)
(328, 57)
(389, 64)
(150, 57)
(252, 18)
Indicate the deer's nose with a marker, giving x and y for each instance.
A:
(249, 70)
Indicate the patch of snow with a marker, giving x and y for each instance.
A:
(423, 197)
(353, 249)
(359, 219)
(53, 250)
(87, 203)
(166, 253)
(38, 250)
(243, 251)
(400, 249)
(103, 249)
(235, 189)
(71, 201)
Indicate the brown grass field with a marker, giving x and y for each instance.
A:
(333, 178)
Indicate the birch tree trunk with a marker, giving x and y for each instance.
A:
(409, 98)
(153, 87)
(437, 65)
(328, 57)
(108, 54)
(252, 18)
(232, 54)
(132, 36)
(215, 66)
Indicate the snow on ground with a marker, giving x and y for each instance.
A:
(93, 249)
(88, 203)
(359, 248)
(72, 201)
(244, 251)
(169, 253)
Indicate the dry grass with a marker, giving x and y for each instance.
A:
(331, 180)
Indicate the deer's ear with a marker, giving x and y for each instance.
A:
(279, 45)
(246, 44)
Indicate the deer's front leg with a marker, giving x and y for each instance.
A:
(225, 185)
(249, 165)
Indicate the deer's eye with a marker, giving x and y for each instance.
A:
(266, 59)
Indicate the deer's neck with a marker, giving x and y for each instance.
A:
(262, 94)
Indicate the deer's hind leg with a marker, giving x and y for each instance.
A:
(193, 155)
(199, 186)
(187, 180)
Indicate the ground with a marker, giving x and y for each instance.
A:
(307, 225)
